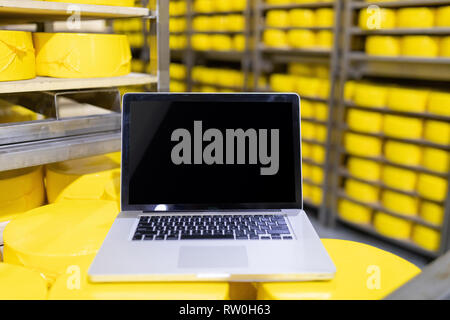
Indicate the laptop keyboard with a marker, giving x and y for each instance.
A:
(217, 227)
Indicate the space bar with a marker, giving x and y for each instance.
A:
(206, 236)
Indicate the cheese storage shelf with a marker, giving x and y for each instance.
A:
(13, 11)
(297, 6)
(398, 4)
(401, 31)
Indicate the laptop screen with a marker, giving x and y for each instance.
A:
(203, 151)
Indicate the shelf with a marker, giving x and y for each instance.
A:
(14, 11)
(407, 244)
(386, 110)
(313, 120)
(218, 13)
(401, 3)
(310, 182)
(293, 51)
(41, 152)
(297, 6)
(311, 141)
(221, 55)
(361, 56)
(54, 84)
(298, 28)
(402, 31)
(312, 162)
(378, 207)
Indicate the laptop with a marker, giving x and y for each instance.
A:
(211, 190)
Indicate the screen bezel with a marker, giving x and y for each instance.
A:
(129, 98)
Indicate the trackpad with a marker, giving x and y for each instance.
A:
(213, 257)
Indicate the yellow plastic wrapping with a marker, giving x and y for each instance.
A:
(17, 60)
(436, 159)
(432, 187)
(63, 290)
(203, 6)
(349, 90)
(408, 100)
(201, 42)
(382, 46)
(239, 43)
(399, 178)
(362, 145)
(300, 69)
(18, 283)
(78, 55)
(177, 86)
(432, 212)
(382, 18)
(365, 121)
(277, 18)
(443, 16)
(301, 18)
(403, 153)
(275, 38)
(439, 103)
(81, 178)
(222, 5)
(420, 17)
(420, 46)
(364, 169)
(353, 212)
(399, 203)
(51, 238)
(324, 39)
(324, 17)
(391, 226)
(20, 191)
(370, 95)
(403, 127)
(426, 237)
(306, 152)
(363, 272)
(301, 38)
(437, 132)
(221, 42)
(121, 3)
(361, 191)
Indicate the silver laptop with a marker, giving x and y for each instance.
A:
(211, 191)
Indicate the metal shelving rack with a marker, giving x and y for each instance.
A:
(357, 65)
(54, 138)
(265, 58)
(191, 57)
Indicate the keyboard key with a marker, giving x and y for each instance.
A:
(278, 231)
(206, 237)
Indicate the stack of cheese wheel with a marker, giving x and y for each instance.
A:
(81, 178)
(17, 59)
(18, 283)
(51, 238)
(20, 191)
(78, 55)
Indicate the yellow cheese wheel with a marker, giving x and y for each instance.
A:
(277, 18)
(201, 42)
(381, 18)
(306, 190)
(306, 171)
(282, 82)
(275, 38)
(419, 46)
(307, 109)
(432, 212)
(221, 42)
(322, 71)
(408, 100)
(20, 191)
(306, 150)
(17, 59)
(238, 5)
(365, 121)
(121, 3)
(426, 237)
(362, 191)
(403, 153)
(203, 6)
(302, 18)
(91, 175)
(321, 133)
(201, 23)
(391, 226)
(324, 39)
(362, 145)
(437, 132)
(317, 174)
(419, 17)
(316, 195)
(443, 16)
(51, 238)
(177, 86)
(349, 90)
(444, 50)
(353, 212)
(403, 127)
(222, 6)
(239, 43)
(177, 71)
(399, 178)
(324, 17)
(301, 38)
(301, 69)
(321, 111)
(307, 86)
(318, 154)
(382, 45)
(18, 283)
(308, 131)
(432, 187)
(370, 95)
(436, 159)
(81, 55)
(364, 169)
(399, 203)
(439, 103)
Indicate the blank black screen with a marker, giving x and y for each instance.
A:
(155, 179)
